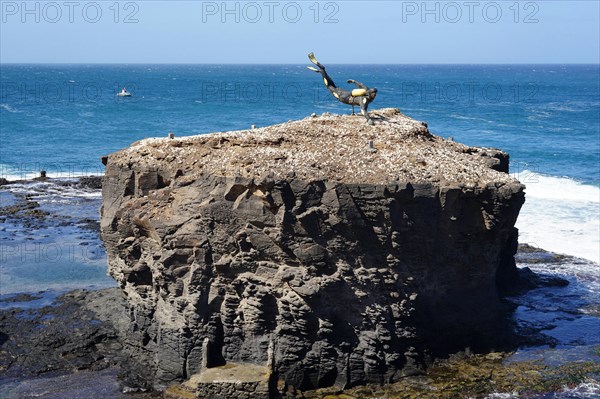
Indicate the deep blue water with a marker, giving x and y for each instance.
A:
(62, 118)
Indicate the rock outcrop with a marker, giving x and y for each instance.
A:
(356, 260)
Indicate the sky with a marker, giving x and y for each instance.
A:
(254, 32)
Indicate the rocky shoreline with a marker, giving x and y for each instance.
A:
(79, 333)
(25, 210)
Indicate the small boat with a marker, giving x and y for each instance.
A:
(124, 93)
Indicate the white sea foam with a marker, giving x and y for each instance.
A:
(470, 118)
(585, 390)
(560, 215)
(590, 389)
(53, 193)
(503, 396)
(12, 174)
(8, 108)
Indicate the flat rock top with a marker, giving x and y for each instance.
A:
(325, 147)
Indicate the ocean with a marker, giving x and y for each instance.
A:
(64, 118)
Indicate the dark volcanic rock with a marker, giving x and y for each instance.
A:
(21, 298)
(94, 182)
(520, 280)
(79, 333)
(356, 264)
(67, 350)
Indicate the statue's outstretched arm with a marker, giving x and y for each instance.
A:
(362, 86)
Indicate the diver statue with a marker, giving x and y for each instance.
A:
(361, 97)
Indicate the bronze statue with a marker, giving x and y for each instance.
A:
(361, 97)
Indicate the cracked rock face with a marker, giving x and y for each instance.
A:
(247, 238)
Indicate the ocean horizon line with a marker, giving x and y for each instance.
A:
(286, 64)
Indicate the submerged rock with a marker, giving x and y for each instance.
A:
(355, 265)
